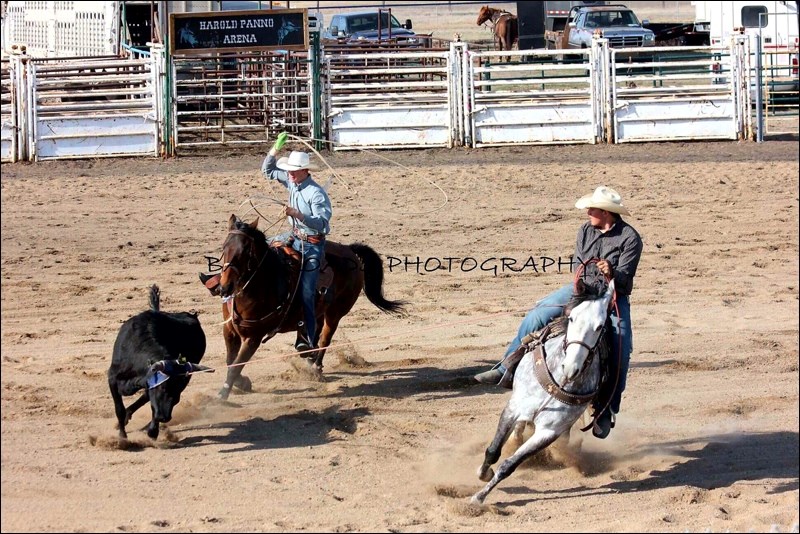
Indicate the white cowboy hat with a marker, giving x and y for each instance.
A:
(603, 198)
(295, 161)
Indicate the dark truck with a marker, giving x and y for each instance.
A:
(371, 26)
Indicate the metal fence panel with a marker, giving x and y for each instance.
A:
(675, 93)
(390, 99)
(535, 97)
(241, 98)
(92, 108)
(9, 114)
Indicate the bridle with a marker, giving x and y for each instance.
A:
(237, 320)
(545, 377)
(229, 265)
(592, 350)
(494, 16)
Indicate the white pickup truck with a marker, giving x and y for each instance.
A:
(617, 23)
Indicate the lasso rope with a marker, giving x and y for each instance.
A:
(380, 156)
(382, 337)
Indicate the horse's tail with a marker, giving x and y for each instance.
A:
(514, 31)
(373, 279)
(155, 297)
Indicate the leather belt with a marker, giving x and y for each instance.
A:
(313, 239)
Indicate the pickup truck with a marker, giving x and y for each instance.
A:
(617, 23)
(378, 25)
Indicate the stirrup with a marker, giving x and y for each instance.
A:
(603, 425)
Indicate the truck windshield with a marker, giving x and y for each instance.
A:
(605, 19)
(370, 22)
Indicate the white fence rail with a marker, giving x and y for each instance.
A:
(679, 93)
(9, 111)
(93, 108)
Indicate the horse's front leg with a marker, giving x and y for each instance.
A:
(234, 376)
(540, 439)
(233, 343)
(329, 327)
(504, 427)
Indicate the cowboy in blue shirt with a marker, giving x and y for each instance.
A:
(309, 211)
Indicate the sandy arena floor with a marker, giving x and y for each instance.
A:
(391, 439)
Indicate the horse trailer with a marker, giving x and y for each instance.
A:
(776, 22)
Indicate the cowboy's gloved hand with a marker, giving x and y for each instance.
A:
(280, 141)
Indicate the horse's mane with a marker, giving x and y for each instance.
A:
(487, 13)
(250, 231)
(591, 289)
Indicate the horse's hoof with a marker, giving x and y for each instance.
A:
(476, 500)
(244, 384)
(224, 392)
(307, 368)
(485, 475)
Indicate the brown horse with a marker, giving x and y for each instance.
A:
(504, 26)
(259, 285)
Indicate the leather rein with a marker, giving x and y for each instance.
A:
(545, 377)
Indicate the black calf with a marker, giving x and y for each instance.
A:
(155, 351)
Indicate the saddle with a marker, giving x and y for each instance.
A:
(537, 339)
(294, 261)
(529, 343)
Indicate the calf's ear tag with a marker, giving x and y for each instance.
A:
(156, 379)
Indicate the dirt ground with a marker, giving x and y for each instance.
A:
(391, 439)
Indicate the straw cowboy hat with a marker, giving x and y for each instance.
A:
(295, 162)
(603, 198)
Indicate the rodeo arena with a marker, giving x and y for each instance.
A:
(264, 262)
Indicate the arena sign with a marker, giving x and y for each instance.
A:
(230, 31)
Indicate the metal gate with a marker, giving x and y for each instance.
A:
(533, 98)
(241, 98)
(397, 99)
(9, 110)
(778, 92)
(679, 93)
(92, 107)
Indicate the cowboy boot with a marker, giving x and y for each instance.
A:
(602, 427)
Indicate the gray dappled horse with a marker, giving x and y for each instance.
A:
(574, 373)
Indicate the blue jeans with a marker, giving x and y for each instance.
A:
(551, 307)
(309, 274)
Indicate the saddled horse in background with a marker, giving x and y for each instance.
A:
(504, 26)
(554, 383)
(259, 285)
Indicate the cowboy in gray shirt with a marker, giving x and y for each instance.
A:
(618, 247)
